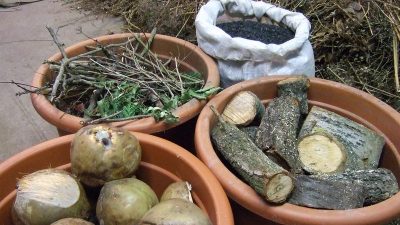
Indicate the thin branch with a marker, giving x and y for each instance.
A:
(57, 42)
(396, 61)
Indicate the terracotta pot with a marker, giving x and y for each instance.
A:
(345, 100)
(162, 163)
(192, 59)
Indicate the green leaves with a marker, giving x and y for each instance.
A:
(162, 114)
(200, 94)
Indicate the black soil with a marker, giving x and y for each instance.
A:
(266, 33)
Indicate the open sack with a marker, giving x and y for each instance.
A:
(243, 59)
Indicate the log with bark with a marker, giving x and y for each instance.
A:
(277, 132)
(266, 177)
(364, 146)
(296, 87)
(326, 194)
(244, 108)
(320, 152)
(251, 131)
(379, 184)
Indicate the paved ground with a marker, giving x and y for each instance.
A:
(24, 44)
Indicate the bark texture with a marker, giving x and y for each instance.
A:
(326, 194)
(250, 162)
(296, 87)
(379, 184)
(278, 130)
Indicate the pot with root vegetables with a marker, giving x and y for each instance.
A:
(318, 153)
(115, 177)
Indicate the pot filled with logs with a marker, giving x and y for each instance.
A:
(298, 150)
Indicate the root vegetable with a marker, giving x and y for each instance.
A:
(175, 212)
(267, 178)
(100, 153)
(321, 153)
(124, 201)
(72, 221)
(46, 196)
(179, 189)
(243, 109)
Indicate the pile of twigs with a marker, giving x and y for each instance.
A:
(122, 81)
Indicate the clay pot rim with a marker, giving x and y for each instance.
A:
(244, 195)
(71, 123)
(217, 194)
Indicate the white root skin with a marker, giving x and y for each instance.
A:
(48, 195)
(320, 153)
(53, 189)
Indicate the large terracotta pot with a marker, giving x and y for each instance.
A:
(345, 100)
(162, 163)
(191, 58)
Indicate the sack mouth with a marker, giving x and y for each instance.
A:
(217, 42)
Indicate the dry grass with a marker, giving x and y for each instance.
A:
(355, 42)
(171, 17)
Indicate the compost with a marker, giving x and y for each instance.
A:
(266, 33)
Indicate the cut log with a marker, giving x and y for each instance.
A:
(267, 178)
(363, 145)
(278, 130)
(277, 159)
(244, 108)
(296, 87)
(321, 153)
(325, 194)
(251, 131)
(379, 184)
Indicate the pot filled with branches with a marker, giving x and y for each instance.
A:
(145, 82)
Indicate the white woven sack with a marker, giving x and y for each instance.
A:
(242, 59)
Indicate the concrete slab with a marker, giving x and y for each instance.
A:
(24, 44)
